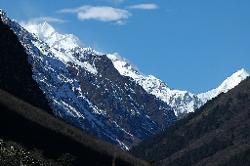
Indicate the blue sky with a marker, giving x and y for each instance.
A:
(191, 45)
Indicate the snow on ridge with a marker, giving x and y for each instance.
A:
(181, 101)
(177, 99)
(124, 68)
(225, 86)
(44, 31)
(62, 46)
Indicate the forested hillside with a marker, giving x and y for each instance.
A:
(216, 134)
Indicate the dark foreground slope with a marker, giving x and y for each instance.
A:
(15, 71)
(217, 134)
(33, 137)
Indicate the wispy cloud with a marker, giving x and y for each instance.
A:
(144, 6)
(118, 1)
(114, 1)
(100, 13)
(47, 19)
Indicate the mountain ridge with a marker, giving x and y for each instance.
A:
(181, 101)
(84, 89)
(150, 83)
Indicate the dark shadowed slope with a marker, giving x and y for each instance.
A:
(216, 134)
(15, 71)
(49, 140)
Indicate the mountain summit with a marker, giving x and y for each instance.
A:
(225, 86)
(45, 32)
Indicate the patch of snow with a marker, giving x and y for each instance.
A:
(72, 110)
(122, 145)
(126, 132)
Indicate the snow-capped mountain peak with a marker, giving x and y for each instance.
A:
(233, 80)
(45, 32)
(225, 86)
(64, 47)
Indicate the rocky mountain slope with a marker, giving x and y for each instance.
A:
(85, 89)
(216, 134)
(31, 136)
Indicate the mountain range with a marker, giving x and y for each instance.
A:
(183, 102)
(104, 94)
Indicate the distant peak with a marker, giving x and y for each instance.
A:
(236, 77)
(240, 72)
(226, 85)
(47, 33)
(42, 29)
